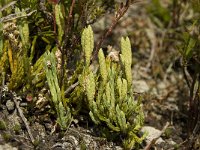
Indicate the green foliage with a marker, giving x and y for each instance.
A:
(26, 40)
(23, 29)
(126, 58)
(17, 128)
(1, 39)
(2, 125)
(14, 47)
(102, 66)
(59, 21)
(25, 36)
(87, 42)
(7, 136)
(189, 49)
(158, 13)
(63, 114)
(109, 93)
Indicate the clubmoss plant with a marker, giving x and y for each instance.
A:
(126, 59)
(109, 92)
(87, 42)
(60, 22)
(14, 47)
(63, 114)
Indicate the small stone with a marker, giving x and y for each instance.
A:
(140, 86)
(7, 147)
(10, 105)
(171, 142)
(162, 85)
(152, 133)
(118, 148)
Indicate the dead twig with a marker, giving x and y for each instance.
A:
(66, 41)
(153, 141)
(15, 16)
(71, 9)
(70, 88)
(8, 5)
(15, 99)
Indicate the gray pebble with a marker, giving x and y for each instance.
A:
(10, 105)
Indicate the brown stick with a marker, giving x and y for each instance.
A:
(71, 8)
(70, 88)
(120, 13)
(23, 117)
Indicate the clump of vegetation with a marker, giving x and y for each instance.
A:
(63, 114)
(14, 48)
(7, 136)
(109, 91)
(190, 54)
(159, 14)
(16, 128)
(43, 42)
(42, 46)
(2, 125)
